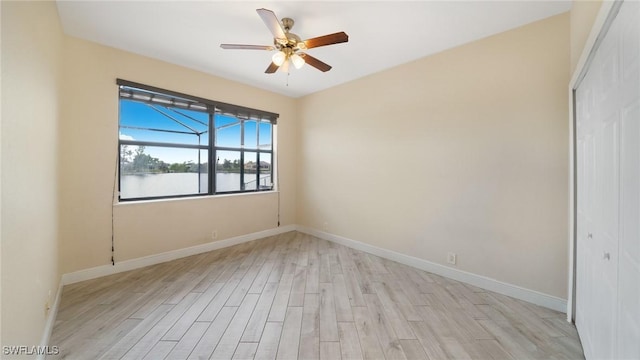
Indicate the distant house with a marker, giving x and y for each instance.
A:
(251, 166)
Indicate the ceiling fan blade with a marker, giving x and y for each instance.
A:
(246, 47)
(271, 69)
(324, 67)
(271, 20)
(330, 39)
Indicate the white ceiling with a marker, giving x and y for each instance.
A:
(382, 34)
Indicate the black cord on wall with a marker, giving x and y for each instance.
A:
(113, 201)
(278, 181)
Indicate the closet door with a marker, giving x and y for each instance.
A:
(608, 196)
(598, 158)
(586, 188)
(628, 321)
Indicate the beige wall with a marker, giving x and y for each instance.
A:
(31, 53)
(88, 156)
(464, 151)
(583, 14)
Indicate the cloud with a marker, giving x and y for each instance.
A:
(125, 137)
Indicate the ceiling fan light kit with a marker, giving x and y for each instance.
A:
(279, 58)
(289, 45)
(297, 61)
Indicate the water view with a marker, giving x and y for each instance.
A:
(168, 184)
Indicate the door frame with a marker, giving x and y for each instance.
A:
(601, 25)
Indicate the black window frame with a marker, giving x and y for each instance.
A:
(155, 96)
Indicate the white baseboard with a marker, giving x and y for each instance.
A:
(480, 281)
(51, 319)
(126, 265)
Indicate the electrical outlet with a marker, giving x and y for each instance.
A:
(452, 258)
(214, 235)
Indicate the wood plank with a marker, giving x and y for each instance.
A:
(213, 308)
(132, 337)
(160, 350)
(296, 298)
(428, 339)
(513, 342)
(368, 340)
(97, 346)
(495, 350)
(281, 300)
(212, 336)
(186, 321)
(386, 335)
(341, 299)
(245, 351)
(188, 342)
(245, 284)
(356, 264)
(229, 341)
(334, 261)
(511, 308)
(328, 322)
(156, 333)
(325, 263)
(349, 341)
(289, 346)
(413, 349)
(330, 350)
(394, 315)
(310, 328)
(258, 319)
(454, 348)
(313, 269)
(268, 346)
(394, 291)
(357, 284)
(263, 275)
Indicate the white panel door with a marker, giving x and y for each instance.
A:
(628, 320)
(608, 194)
(586, 185)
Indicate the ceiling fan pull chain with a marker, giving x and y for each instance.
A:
(287, 79)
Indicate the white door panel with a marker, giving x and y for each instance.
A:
(608, 193)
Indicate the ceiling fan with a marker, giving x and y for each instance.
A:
(289, 45)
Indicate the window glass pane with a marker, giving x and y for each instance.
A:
(148, 171)
(204, 172)
(265, 181)
(228, 171)
(250, 170)
(265, 136)
(250, 134)
(227, 131)
(143, 122)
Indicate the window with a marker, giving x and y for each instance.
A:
(170, 144)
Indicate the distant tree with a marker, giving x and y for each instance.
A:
(125, 154)
(145, 163)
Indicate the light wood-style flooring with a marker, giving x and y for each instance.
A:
(296, 296)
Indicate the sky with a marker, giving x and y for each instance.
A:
(140, 115)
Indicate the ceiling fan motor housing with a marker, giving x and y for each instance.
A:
(292, 41)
